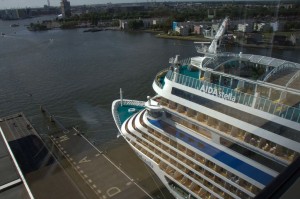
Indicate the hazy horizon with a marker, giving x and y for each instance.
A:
(7, 4)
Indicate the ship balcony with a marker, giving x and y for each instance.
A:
(156, 159)
(179, 176)
(188, 183)
(200, 159)
(163, 166)
(180, 157)
(275, 150)
(171, 171)
(173, 153)
(204, 170)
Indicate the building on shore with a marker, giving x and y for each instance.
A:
(147, 23)
(211, 16)
(245, 27)
(65, 8)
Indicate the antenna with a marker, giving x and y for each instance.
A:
(48, 1)
(121, 96)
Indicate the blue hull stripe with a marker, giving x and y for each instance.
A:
(229, 160)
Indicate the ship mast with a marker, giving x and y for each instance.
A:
(121, 96)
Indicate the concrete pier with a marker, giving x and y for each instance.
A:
(42, 173)
(61, 165)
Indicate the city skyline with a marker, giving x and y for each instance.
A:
(8, 4)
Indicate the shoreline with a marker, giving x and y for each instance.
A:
(193, 38)
(186, 38)
(160, 34)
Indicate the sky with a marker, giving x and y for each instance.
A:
(6, 4)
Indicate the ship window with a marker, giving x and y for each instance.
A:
(181, 135)
(252, 155)
(191, 140)
(155, 114)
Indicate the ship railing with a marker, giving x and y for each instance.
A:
(234, 95)
(159, 75)
(133, 103)
(117, 118)
(186, 61)
(277, 69)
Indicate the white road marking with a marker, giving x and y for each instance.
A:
(84, 160)
(113, 191)
(128, 183)
(63, 138)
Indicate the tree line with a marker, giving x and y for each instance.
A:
(196, 13)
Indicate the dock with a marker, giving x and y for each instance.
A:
(66, 165)
(44, 177)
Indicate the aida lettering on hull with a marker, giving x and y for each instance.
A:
(214, 91)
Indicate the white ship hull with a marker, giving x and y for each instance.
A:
(213, 132)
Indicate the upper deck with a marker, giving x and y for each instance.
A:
(122, 110)
(268, 84)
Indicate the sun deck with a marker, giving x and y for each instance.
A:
(127, 111)
(123, 111)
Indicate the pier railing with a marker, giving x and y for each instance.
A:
(261, 103)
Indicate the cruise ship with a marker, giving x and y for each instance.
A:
(221, 125)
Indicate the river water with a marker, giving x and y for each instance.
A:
(77, 75)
